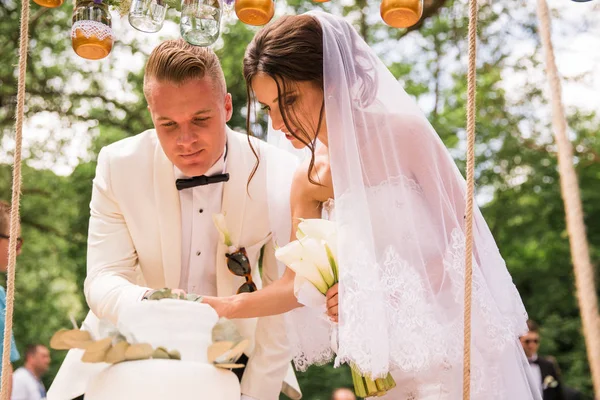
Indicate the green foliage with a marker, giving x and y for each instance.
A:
(318, 382)
(48, 287)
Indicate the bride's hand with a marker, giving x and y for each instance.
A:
(222, 305)
(332, 303)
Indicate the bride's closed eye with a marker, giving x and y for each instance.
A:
(289, 100)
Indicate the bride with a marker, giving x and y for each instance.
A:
(399, 212)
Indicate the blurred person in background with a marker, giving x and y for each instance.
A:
(544, 370)
(343, 394)
(27, 380)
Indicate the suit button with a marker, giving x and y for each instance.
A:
(201, 211)
(198, 253)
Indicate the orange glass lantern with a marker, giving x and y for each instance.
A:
(91, 34)
(401, 13)
(49, 3)
(255, 12)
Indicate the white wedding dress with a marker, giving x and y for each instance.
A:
(499, 368)
(400, 213)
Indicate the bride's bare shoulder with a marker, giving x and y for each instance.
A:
(321, 187)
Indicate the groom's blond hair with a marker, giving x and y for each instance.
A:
(178, 62)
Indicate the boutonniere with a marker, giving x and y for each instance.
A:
(237, 258)
(221, 225)
(550, 382)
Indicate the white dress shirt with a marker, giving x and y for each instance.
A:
(536, 371)
(27, 386)
(199, 236)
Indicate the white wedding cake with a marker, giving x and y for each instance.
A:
(184, 326)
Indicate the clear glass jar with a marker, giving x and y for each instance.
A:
(91, 35)
(401, 13)
(255, 12)
(147, 15)
(200, 23)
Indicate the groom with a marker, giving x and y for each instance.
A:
(152, 207)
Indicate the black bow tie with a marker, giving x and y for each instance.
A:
(536, 361)
(200, 181)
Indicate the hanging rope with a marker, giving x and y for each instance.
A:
(16, 195)
(471, 109)
(582, 265)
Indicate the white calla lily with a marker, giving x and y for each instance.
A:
(307, 270)
(332, 261)
(308, 295)
(316, 228)
(290, 253)
(315, 253)
(220, 223)
(313, 256)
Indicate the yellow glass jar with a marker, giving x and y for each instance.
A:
(255, 12)
(91, 35)
(401, 13)
(49, 3)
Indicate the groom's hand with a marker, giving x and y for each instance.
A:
(332, 303)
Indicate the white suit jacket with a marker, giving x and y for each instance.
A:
(134, 244)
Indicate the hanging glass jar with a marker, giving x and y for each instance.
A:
(200, 23)
(91, 34)
(49, 3)
(401, 13)
(228, 6)
(255, 12)
(147, 15)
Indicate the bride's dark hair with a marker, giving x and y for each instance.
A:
(289, 50)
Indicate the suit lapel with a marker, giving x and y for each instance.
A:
(169, 217)
(233, 206)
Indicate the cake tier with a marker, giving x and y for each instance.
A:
(180, 325)
(163, 379)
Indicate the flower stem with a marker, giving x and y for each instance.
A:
(367, 387)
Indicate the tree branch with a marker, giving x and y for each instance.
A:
(44, 228)
(429, 10)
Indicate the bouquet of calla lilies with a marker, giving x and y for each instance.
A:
(313, 257)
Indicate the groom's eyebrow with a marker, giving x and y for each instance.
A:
(205, 111)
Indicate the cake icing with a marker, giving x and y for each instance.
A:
(184, 326)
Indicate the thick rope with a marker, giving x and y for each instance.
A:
(471, 110)
(582, 265)
(16, 196)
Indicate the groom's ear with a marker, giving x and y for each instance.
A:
(228, 107)
(150, 111)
